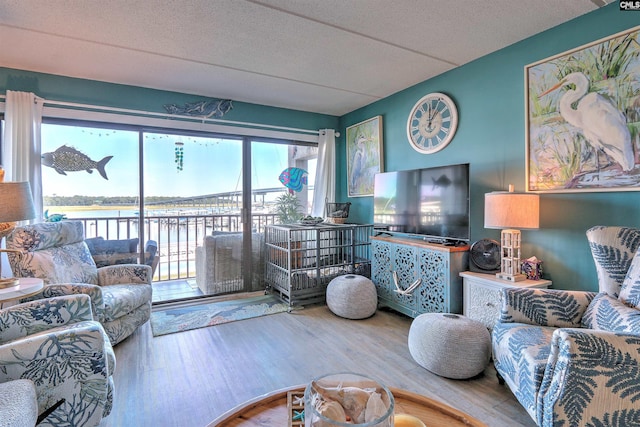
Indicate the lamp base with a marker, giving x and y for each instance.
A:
(511, 277)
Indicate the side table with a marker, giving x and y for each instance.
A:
(26, 287)
(482, 295)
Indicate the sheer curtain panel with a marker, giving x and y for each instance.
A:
(325, 183)
(21, 150)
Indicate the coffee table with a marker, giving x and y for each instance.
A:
(271, 410)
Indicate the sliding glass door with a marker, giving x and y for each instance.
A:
(194, 206)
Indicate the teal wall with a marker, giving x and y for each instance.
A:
(67, 89)
(489, 93)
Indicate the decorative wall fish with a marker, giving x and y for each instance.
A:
(293, 178)
(208, 109)
(71, 160)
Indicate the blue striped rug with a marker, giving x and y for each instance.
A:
(196, 316)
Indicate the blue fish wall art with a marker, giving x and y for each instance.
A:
(293, 179)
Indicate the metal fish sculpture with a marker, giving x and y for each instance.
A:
(293, 179)
(208, 109)
(71, 160)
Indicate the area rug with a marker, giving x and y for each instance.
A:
(197, 316)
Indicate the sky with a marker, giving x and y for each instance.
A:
(208, 165)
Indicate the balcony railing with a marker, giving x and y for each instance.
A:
(177, 236)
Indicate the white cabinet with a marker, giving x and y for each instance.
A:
(482, 295)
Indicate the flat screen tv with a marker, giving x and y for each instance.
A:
(431, 202)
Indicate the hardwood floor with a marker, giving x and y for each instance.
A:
(190, 378)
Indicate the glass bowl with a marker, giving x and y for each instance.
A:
(364, 400)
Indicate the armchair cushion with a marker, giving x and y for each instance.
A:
(544, 307)
(610, 314)
(613, 249)
(630, 291)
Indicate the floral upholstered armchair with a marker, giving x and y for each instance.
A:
(56, 252)
(572, 358)
(56, 344)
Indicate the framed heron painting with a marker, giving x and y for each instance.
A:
(583, 118)
(364, 156)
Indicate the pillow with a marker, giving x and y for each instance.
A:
(630, 291)
(111, 252)
(610, 314)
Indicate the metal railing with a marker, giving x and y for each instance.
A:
(177, 236)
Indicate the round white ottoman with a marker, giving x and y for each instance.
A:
(352, 297)
(450, 345)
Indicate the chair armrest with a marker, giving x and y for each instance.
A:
(544, 307)
(40, 315)
(124, 274)
(60, 361)
(591, 375)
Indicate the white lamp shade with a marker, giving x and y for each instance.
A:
(504, 209)
(16, 203)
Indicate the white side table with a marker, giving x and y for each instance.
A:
(482, 295)
(26, 287)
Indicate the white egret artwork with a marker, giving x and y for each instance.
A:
(583, 118)
(364, 156)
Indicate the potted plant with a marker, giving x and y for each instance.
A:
(288, 209)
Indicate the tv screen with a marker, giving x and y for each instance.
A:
(433, 202)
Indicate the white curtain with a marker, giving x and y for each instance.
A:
(22, 146)
(325, 182)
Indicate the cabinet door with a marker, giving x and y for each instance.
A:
(381, 269)
(434, 271)
(405, 264)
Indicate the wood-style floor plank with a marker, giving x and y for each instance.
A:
(190, 378)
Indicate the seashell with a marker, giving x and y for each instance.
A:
(353, 399)
(375, 408)
(332, 410)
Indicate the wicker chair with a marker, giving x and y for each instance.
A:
(219, 263)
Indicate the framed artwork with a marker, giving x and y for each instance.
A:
(364, 156)
(583, 118)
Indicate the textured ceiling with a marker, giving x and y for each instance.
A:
(324, 56)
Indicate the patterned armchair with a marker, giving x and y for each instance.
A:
(56, 344)
(572, 358)
(56, 252)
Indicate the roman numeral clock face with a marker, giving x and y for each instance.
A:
(432, 123)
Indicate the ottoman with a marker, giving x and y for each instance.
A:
(450, 345)
(352, 297)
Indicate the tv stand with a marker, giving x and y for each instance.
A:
(437, 265)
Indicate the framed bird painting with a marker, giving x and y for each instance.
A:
(364, 156)
(583, 118)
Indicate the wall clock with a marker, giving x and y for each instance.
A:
(432, 123)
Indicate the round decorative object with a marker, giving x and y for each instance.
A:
(352, 297)
(450, 345)
(485, 255)
(432, 123)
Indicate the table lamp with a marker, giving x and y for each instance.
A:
(511, 212)
(16, 204)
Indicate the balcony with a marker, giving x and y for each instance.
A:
(177, 234)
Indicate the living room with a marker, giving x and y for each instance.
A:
(490, 96)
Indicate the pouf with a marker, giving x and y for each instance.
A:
(450, 345)
(19, 404)
(352, 297)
